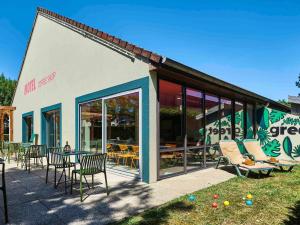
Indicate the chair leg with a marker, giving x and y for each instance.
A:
(290, 169)
(71, 191)
(4, 194)
(106, 183)
(92, 180)
(47, 171)
(81, 188)
(217, 166)
(55, 177)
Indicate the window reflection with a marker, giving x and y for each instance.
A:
(171, 117)
(212, 119)
(250, 122)
(91, 126)
(226, 110)
(239, 120)
(122, 121)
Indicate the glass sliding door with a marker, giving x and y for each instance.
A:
(91, 126)
(239, 120)
(52, 128)
(171, 151)
(122, 132)
(225, 111)
(212, 118)
(194, 128)
(250, 122)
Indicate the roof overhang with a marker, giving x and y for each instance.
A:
(173, 70)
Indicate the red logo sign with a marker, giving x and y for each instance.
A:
(30, 86)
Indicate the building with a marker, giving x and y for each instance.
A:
(295, 104)
(150, 113)
(6, 123)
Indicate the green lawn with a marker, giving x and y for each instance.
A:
(276, 200)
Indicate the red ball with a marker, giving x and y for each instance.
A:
(216, 196)
(214, 205)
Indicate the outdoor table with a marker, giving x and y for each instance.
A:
(66, 157)
(3, 189)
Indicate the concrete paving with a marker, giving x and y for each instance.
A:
(32, 201)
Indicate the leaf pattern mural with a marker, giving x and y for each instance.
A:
(272, 148)
(296, 151)
(263, 136)
(263, 118)
(276, 115)
(287, 146)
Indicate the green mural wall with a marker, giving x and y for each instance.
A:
(278, 133)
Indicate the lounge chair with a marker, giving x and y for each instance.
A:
(253, 147)
(233, 157)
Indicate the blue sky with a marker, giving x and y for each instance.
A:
(253, 44)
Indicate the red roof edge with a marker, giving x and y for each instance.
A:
(137, 51)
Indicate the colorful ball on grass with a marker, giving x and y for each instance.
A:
(249, 203)
(226, 203)
(215, 205)
(216, 196)
(249, 196)
(192, 198)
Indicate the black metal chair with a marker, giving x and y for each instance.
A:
(3, 189)
(91, 165)
(58, 162)
(36, 152)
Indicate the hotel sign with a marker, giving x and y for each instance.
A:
(33, 85)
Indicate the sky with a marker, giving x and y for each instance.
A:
(251, 43)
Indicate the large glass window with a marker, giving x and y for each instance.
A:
(52, 128)
(194, 128)
(171, 116)
(212, 119)
(28, 128)
(226, 111)
(239, 120)
(171, 128)
(6, 127)
(91, 126)
(250, 121)
(122, 131)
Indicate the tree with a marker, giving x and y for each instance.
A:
(284, 102)
(7, 88)
(298, 83)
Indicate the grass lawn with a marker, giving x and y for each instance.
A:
(276, 200)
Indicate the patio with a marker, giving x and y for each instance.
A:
(31, 201)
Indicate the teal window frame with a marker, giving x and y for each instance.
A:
(43, 121)
(24, 125)
(143, 84)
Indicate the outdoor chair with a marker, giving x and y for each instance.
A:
(253, 147)
(35, 152)
(232, 156)
(3, 189)
(57, 161)
(13, 149)
(124, 154)
(90, 165)
(135, 157)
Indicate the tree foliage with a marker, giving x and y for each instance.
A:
(298, 83)
(284, 102)
(7, 88)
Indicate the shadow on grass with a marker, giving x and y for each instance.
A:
(252, 175)
(294, 215)
(160, 215)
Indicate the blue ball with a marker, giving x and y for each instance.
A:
(249, 202)
(191, 198)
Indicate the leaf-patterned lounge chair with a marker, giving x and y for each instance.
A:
(232, 156)
(253, 147)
